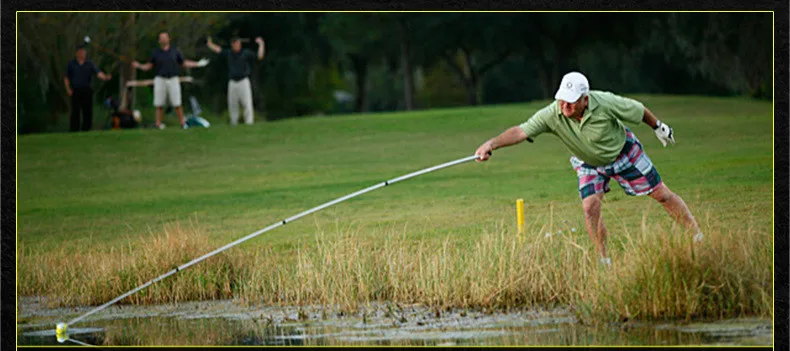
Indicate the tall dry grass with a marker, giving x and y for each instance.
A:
(89, 276)
(656, 274)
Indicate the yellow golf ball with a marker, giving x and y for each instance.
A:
(61, 331)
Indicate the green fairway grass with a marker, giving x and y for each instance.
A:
(111, 190)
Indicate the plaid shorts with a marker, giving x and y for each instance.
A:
(632, 169)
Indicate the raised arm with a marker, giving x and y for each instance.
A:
(261, 48)
(213, 47)
(512, 136)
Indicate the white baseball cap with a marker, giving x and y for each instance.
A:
(573, 86)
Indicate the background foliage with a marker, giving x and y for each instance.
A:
(400, 61)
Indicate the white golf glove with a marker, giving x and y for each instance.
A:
(203, 62)
(664, 133)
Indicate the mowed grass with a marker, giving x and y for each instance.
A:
(92, 206)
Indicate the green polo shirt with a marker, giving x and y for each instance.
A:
(600, 136)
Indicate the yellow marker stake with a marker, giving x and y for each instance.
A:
(520, 218)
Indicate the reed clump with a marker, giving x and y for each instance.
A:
(657, 272)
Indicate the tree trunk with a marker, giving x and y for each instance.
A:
(470, 80)
(361, 73)
(543, 77)
(471, 92)
(555, 74)
(465, 75)
(126, 71)
(408, 71)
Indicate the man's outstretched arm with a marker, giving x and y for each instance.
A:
(664, 133)
(512, 136)
(650, 119)
(103, 76)
(195, 64)
(143, 67)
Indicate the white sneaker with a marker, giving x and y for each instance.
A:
(699, 237)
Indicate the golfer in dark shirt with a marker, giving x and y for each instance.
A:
(168, 62)
(239, 69)
(79, 72)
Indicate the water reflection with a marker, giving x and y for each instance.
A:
(220, 325)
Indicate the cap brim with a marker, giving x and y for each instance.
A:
(567, 95)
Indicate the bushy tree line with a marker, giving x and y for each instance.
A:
(404, 61)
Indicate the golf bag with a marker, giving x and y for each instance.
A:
(194, 120)
(120, 118)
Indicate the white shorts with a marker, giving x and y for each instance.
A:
(167, 88)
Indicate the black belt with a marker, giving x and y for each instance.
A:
(167, 77)
(239, 79)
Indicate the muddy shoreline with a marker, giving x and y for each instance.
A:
(226, 322)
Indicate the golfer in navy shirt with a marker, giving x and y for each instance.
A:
(79, 72)
(239, 70)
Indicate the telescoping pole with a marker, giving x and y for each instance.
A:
(62, 328)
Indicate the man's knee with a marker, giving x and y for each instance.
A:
(662, 194)
(592, 206)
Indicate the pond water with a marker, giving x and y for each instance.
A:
(229, 323)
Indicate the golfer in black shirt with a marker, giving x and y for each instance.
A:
(168, 62)
(239, 69)
(79, 72)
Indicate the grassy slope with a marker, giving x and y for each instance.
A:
(103, 188)
(436, 239)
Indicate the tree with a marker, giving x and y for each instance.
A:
(553, 43)
(470, 44)
(406, 45)
(732, 49)
(359, 39)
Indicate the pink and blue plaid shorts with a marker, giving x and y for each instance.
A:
(632, 169)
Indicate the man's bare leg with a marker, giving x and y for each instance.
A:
(593, 220)
(180, 113)
(676, 207)
(159, 112)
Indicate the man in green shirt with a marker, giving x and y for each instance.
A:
(589, 123)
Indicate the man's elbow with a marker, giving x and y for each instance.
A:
(518, 132)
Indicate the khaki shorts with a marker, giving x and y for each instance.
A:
(167, 88)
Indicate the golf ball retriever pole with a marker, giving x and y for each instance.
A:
(62, 328)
